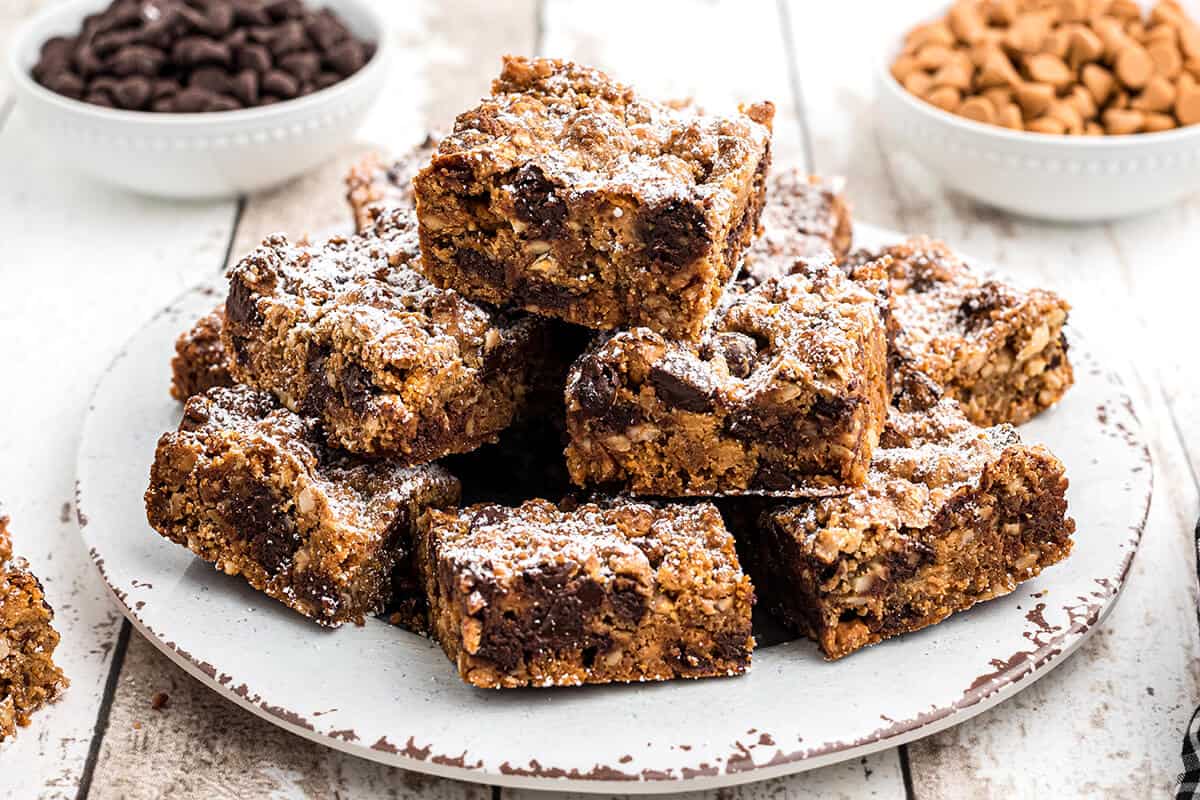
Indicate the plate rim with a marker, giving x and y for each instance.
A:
(988, 691)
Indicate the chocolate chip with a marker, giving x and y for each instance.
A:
(675, 233)
(284, 9)
(244, 87)
(596, 388)
(473, 261)
(487, 515)
(87, 63)
(289, 38)
(325, 30)
(214, 79)
(164, 87)
(106, 44)
(977, 306)
(255, 57)
(250, 12)
(280, 83)
(357, 387)
(165, 104)
(219, 18)
(683, 383)
(223, 102)
(302, 66)
(137, 59)
(194, 51)
(193, 100)
(326, 79)
(318, 395)
(629, 605)
(132, 93)
(738, 350)
(346, 57)
(241, 308)
(257, 519)
(99, 98)
(537, 202)
(66, 83)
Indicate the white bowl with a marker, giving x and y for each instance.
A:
(215, 154)
(1060, 178)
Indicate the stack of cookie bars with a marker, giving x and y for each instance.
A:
(586, 370)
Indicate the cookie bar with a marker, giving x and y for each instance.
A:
(999, 350)
(29, 677)
(539, 596)
(251, 488)
(806, 219)
(567, 194)
(200, 362)
(375, 184)
(345, 330)
(785, 392)
(951, 515)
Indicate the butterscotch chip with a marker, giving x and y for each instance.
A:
(1085, 45)
(1099, 82)
(1156, 122)
(932, 56)
(979, 109)
(1010, 117)
(1167, 15)
(1136, 29)
(933, 33)
(1066, 113)
(1120, 121)
(1189, 40)
(918, 82)
(1112, 34)
(1073, 10)
(997, 70)
(1165, 55)
(1083, 102)
(966, 22)
(1047, 125)
(1002, 12)
(903, 66)
(945, 97)
(1034, 98)
(1049, 68)
(1159, 95)
(1125, 9)
(1134, 66)
(998, 96)
(954, 74)
(1187, 104)
(1092, 128)
(1028, 31)
(1162, 33)
(1058, 43)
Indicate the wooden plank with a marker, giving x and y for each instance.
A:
(720, 54)
(1124, 698)
(877, 775)
(202, 745)
(83, 265)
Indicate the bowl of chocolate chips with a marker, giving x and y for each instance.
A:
(198, 98)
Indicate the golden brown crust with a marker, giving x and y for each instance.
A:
(786, 392)
(251, 488)
(997, 349)
(951, 515)
(347, 331)
(626, 591)
(567, 194)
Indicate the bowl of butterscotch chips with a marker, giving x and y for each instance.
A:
(198, 98)
(1068, 110)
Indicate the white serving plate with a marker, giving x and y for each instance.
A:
(387, 695)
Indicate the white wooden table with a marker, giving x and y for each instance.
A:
(81, 266)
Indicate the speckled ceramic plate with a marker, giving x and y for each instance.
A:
(387, 695)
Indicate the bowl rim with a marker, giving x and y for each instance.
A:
(24, 82)
(1126, 141)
